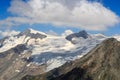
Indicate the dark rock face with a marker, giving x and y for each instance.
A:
(75, 74)
(20, 48)
(82, 34)
(32, 35)
(101, 63)
(2, 40)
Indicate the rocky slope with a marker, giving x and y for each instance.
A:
(101, 63)
(14, 64)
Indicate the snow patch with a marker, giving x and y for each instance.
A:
(117, 37)
(35, 32)
(17, 71)
(54, 63)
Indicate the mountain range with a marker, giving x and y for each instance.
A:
(35, 53)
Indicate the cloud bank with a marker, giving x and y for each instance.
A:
(71, 13)
(67, 32)
(8, 33)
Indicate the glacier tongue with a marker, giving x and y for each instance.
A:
(54, 63)
(55, 51)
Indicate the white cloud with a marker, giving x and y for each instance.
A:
(67, 32)
(8, 33)
(73, 13)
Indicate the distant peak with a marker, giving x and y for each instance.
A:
(82, 34)
(82, 31)
(33, 33)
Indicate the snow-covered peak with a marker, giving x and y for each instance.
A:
(32, 34)
(35, 31)
(29, 37)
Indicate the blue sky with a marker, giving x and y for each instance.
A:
(8, 10)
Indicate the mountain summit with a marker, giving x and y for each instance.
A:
(82, 34)
(33, 34)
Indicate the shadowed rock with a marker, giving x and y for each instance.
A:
(82, 34)
(32, 35)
